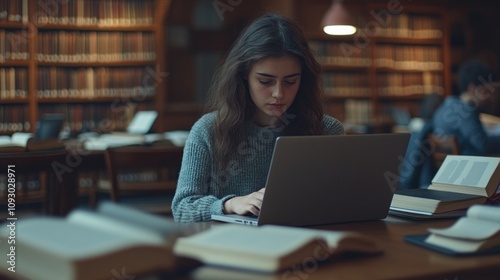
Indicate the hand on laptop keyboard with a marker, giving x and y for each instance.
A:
(245, 205)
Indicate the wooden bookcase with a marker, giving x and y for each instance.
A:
(96, 62)
(398, 56)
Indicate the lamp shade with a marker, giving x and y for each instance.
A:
(337, 20)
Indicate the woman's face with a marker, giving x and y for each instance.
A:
(273, 84)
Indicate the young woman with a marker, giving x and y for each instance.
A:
(268, 86)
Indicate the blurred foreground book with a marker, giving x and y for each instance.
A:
(478, 232)
(90, 245)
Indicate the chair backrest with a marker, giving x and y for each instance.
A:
(140, 158)
(57, 182)
(441, 147)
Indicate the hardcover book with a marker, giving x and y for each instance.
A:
(460, 182)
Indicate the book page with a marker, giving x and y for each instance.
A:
(269, 240)
(71, 240)
(114, 226)
(466, 171)
(485, 212)
(266, 248)
(458, 245)
(162, 226)
(469, 228)
(272, 241)
(21, 138)
(108, 141)
(341, 240)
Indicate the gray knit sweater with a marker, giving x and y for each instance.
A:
(202, 188)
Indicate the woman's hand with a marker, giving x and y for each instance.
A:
(244, 205)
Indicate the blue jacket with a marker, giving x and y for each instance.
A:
(417, 169)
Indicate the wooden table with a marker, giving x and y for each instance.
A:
(400, 260)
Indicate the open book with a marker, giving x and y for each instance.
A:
(269, 248)
(91, 245)
(460, 182)
(24, 141)
(477, 232)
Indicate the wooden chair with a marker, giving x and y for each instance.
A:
(58, 192)
(441, 147)
(164, 161)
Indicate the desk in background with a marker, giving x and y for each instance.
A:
(60, 171)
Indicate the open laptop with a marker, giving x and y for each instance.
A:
(49, 126)
(316, 180)
(142, 122)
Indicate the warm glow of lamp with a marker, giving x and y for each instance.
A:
(337, 20)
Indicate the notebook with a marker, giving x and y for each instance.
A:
(316, 180)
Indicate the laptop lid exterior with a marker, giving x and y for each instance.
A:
(317, 180)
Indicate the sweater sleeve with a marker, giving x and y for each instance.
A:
(193, 201)
(333, 126)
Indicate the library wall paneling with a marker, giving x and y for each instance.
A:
(94, 61)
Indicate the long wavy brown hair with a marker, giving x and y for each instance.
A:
(268, 36)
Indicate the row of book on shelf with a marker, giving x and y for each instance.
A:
(411, 26)
(16, 11)
(395, 84)
(78, 117)
(13, 82)
(81, 12)
(78, 46)
(101, 13)
(401, 25)
(14, 118)
(28, 185)
(13, 45)
(54, 82)
(397, 57)
(358, 111)
(92, 46)
(409, 57)
(398, 84)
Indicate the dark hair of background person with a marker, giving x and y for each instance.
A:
(473, 71)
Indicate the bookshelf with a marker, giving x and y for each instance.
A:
(396, 58)
(97, 62)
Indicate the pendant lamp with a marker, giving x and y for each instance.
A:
(337, 20)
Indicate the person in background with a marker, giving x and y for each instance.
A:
(459, 115)
(268, 86)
